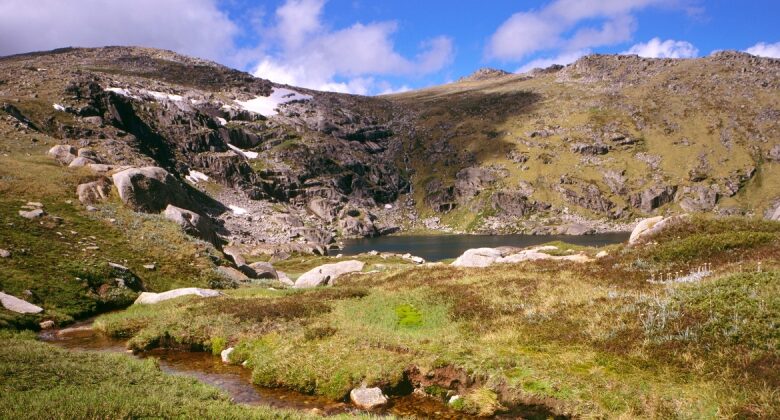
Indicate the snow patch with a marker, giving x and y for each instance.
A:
(196, 176)
(238, 211)
(267, 105)
(59, 107)
(162, 96)
(121, 91)
(247, 154)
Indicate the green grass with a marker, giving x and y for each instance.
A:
(41, 381)
(591, 340)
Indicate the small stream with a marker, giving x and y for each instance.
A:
(236, 381)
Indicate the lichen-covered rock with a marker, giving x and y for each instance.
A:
(478, 257)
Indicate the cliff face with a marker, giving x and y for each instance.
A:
(587, 147)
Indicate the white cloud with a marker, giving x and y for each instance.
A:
(344, 60)
(526, 33)
(563, 59)
(763, 49)
(655, 48)
(195, 27)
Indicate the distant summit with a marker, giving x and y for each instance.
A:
(484, 73)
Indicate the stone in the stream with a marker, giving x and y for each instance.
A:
(325, 274)
(14, 304)
(367, 398)
(148, 298)
(225, 354)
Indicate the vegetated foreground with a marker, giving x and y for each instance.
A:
(593, 339)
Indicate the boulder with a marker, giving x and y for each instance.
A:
(284, 279)
(80, 162)
(148, 298)
(192, 223)
(94, 192)
(773, 212)
(326, 274)
(478, 257)
(32, 214)
(88, 153)
(234, 254)
(63, 153)
(17, 305)
(233, 274)
(225, 354)
(263, 270)
(4, 253)
(699, 198)
(653, 197)
(367, 398)
(643, 228)
(651, 226)
(149, 189)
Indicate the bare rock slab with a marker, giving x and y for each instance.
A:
(14, 304)
(148, 298)
(325, 274)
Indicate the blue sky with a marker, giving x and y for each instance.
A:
(371, 47)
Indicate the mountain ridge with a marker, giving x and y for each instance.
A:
(583, 148)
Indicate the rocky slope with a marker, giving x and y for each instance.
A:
(584, 148)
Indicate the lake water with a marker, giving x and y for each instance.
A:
(440, 247)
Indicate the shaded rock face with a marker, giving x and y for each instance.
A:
(516, 203)
(653, 197)
(471, 181)
(699, 198)
(149, 189)
(192, 223)
(587, 195)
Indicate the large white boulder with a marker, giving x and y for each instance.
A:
(367, 398)
(651, 226)
(148, 298)
(478, 257)
(63, 153)
(14, 304)
(325, 274)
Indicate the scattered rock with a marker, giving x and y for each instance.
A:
(148, 298)
(367, 398)
(602, 254)
(47, 325)
(284, 279)
(4, 253)
(326, 274)
(773, 212)
(150, 267)
(17, 305)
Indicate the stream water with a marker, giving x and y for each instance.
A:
(440, 247)
(237, 381)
